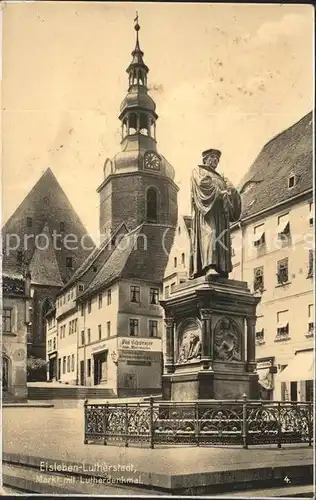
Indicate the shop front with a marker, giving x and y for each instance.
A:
(297, 377)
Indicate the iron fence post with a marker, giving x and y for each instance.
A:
(310, 425)
(151, 422)
(126, 425)
(85, 441)
(105, 415)
(197, 427)
(279, 426)
(244, 422)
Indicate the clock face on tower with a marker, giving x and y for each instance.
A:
(151, 160)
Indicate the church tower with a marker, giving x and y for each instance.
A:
(138, 184)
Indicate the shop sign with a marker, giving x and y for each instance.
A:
(139, 344)
(99, 347)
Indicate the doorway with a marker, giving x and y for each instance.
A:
(100, 367)
(81, 372)
(293, 391)
(52, 368)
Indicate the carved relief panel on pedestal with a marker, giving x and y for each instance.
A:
(189, 341)
(227, 341)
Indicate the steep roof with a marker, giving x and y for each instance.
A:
(142, 255)
(266, 182)
(94, 255)
(44, 266)
(46, 205)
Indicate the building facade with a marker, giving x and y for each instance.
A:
(36, 239)
(108, 316)
(273, 251)
(15, 312)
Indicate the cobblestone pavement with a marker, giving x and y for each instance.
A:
(51, 433)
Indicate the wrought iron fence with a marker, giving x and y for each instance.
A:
(243, 422)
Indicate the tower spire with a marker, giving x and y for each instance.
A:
(137, 112)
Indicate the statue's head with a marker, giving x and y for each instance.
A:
(225, 323)
(211, 157)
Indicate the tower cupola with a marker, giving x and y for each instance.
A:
(137, 111)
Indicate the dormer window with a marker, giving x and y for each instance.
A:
(29, 221)
(291, 181)
(62, 226)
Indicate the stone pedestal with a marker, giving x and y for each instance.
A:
(210, 341)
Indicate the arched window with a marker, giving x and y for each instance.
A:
(152, 205)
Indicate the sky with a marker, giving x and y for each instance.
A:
(224, 76)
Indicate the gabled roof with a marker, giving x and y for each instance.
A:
(266, 182)
(44, 266)
(142, 255)
(92, 258)
(46, 203)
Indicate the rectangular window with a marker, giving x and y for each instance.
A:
(311, 214)
(260, 336)
(133, 327)
(183, 259)
(82, 309)
(100, 331)
(172, 287)
(89, 335)
(108, 327)
(259, 236)
(89, 306)
(100, 300)
(135, 294)
(109, 297)
(283, 227)
(311, 319)
(153, 328)
(258, 281)
(89, 368)
(7, 320)
(54, 343)
(70, 328)
(64, 364)
(68, 364)
(29, 221)
(62, 226)
(154, 295)
(72, 362)
(282, 271)
(82, 337)
(81, 288)
(69, 262)
(282, 325)
(167, 291)
(310, 273)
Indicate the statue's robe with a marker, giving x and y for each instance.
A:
(212, 214)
